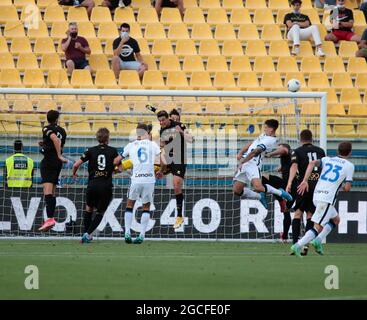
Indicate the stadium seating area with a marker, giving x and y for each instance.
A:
(218, 45)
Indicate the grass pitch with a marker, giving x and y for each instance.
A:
(178, 270)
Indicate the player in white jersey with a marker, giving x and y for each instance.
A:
(335, 172)
(250, 162)
(143, 153)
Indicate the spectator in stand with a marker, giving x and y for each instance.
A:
(113, 4)
(88, 4)
(299, 28)
(322, 3)
(159, 4)
(342, 24)
(75, 49)
(362, 52)
(363, 8)
(126, 53)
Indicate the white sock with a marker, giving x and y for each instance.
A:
(308, 237)
(249, 194)
(325, 231)
(144, 223)
(272, 190)
(128, 221)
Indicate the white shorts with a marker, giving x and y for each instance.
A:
(143, 191)
(324, 212)
(248, 172)
(129, 65)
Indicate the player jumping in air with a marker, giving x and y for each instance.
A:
(304, 203)
(143, 153)
(335, 171)
(54, 138)
(249, 169)
(101, 164)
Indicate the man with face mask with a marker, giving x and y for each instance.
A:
(75, 49)
(299, 28)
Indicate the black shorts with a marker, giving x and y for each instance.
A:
(80, 64)
(178, 170)
(305, 202)
(50, 171)
(99, 197)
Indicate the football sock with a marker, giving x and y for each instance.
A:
(296, 229)
(87, 219)
(309, 224)
(270, 189)
(179, 201)
(144, 222)
(128, 220)
(95, 223)
(286, 223)
(309, 236)
(326, 230)
(249, 194)
(50, 205)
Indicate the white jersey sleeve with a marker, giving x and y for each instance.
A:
(126, 151)
(268, 143)
(350, 173)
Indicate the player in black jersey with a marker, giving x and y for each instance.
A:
(304, 203)
(102, 160)
(54, 138)
(284, 154)
(173, 138)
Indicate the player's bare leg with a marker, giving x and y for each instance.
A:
(177, 186)
(128, 220)
(50, 199)
(145, 217)
(309, 225)
(239, 189)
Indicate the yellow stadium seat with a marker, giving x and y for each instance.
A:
(347, 49)
(14, 30)
(359, 18)
(271, 32)
(150, 61)
(170, 15)
(185, 48)
(333, 64)
(310, 64)
(240, 16)
(322, 30)
(177, 31)
(361, 81)
(58, 30)
(6, 61)
(280, 16)
(6, 3)
(129, 79)
(93, 106)
(278, 4)
(232, 4)
(201, 31)
(296, 75)
(200, 80)
(86, 29)
(344, 128)
(177, 80)
(20, 45)
(349, 96)
(98, 62)
(144, 47)
(169, 63)
(21, 3)
(255, 48)
(335, 109)
(247, 81)
(40, 32)
(341, 80)
(34, 79)
(216, 64)
(357, 65)
(193, 16)
(224, 80)
(107, 31)
(263, 64)
(318, 80)
(141, 4)
(77, 14)
(248, 32)
(105, 79)
(209, 48)
(217, 16)
(224, 32)
(100, 14)
(331, 95)
(310, 109)
(255, 4)
(154, 31)
(54, 13)
(10, 78)
(279, 48)
(357, 110)
(312, 14)
(147, 15)
(271, 80)
(124, 15)
(192, 63)
(50, 61)
(263, 16)
(305, 49)
(240, 64)
(81, 79)
(329, 48)
(95, 45)
(27, 61)
(232, 48)
(153, 80)
(58, 79)
(162, 47)
(44, 45)
(190, 3)
(135, 30)
(207, 4)
(3, 45)
(359, 29)
(8, 14)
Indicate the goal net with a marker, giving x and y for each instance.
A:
(221, 122)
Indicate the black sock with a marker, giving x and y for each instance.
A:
(179, 201)
(286, 224)
(296, 230)
(95, 223)
(309, 225)
(87, 219)
(50, 205)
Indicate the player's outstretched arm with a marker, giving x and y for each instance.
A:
(303, 187)
(76, 166)
(251, 155)
(280, 151)
(117, 160)
(243, 150)
(57, 143)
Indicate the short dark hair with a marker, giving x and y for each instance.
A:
(306, 135)
(18, 145)
(141, 129)
(103, 135)
(162, 113)
(125, 25)
(344, 148)
(174, 112)
(272, 123)
(52, 116)
(286, 145)
(296, 1)
(150, 127)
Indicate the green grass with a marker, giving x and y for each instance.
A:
(178, 270)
